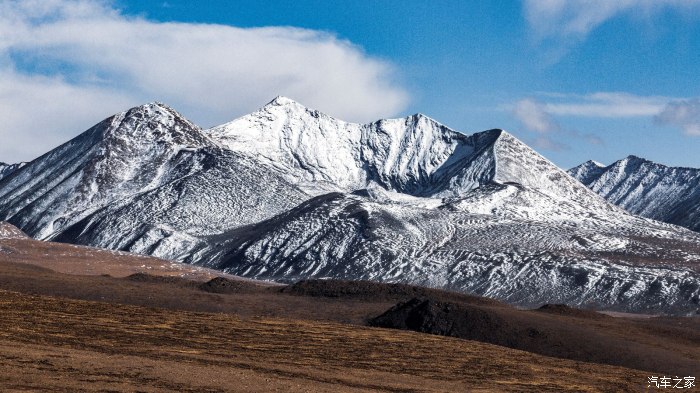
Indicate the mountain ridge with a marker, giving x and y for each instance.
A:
(287, 192)
(371, 152)
(7, 169)
(647, 188)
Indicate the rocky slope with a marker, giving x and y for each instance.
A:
(646, 188)
(288, 192)
(145, 180)
(7, 169)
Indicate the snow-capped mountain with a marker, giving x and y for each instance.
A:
(643, 187)
(587, 172)
(414, 155)
(145, 180)
(7, 169)
(288, 192)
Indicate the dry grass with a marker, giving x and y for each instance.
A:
(72, 259)
(61, 345)
(81, 330)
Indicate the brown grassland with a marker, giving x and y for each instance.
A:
(79, 319)
(66, 345)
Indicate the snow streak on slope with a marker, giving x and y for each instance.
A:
(287, 192)
(646, 188)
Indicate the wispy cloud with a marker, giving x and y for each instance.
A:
(547, 143)
(606, 104)
(65, 64)
(566, 22)
(534, 116)
(548, 106)
(684, 114)
(571, 18)
(542, 114)
(592, 139)
(545, 113)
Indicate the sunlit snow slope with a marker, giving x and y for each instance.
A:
(288, 192)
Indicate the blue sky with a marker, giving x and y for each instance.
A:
(575, 79)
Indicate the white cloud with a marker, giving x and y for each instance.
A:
(537, 117)
(66, 64)
(533, 115)
(544, 114)
(568, 21)
(593, 139)
(547, 143)
(606, 104)
(39, 113)
(684, 114)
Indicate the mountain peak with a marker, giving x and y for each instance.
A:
(282, 101)
(593, 164)
(631, 162)
(155, 105)
(498, 133)
(153, 109)
(590, 165)
(635, 159)
(416, 118)
(587, 172)
(155, 119)
(632, 159)
(421, 116)
(648, 189)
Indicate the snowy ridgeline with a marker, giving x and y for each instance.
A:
(7, 169)
(646, 188)
(287, 193)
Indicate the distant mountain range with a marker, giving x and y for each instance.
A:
(646, 188)
(288, 192)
